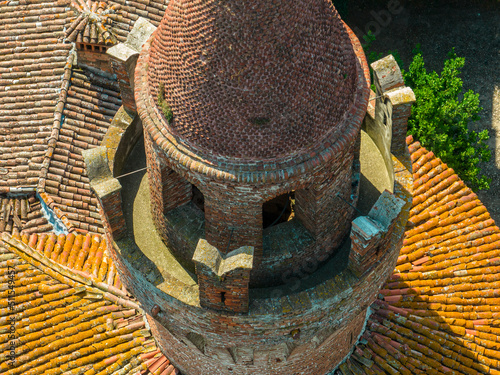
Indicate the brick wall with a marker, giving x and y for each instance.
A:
(223, 279)
(304, 332)
(233, 209)
(168, 189)
(307, 332)
(93, 55)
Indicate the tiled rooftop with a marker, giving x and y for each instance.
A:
(22, 213)
(90, 105)
(51, 110)
(32, 60)
(64, 320)
(439, 313)
(72, 314)
(109, 22)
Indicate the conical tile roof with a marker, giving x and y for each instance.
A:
(252, 79)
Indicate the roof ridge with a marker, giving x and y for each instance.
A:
(93, 24)
(63, 274)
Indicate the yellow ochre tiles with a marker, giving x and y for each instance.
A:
(58, 320)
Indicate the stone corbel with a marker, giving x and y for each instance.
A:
(369, 233)
(124, 59)
(393, 106)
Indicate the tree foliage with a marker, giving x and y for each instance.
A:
(441, 115)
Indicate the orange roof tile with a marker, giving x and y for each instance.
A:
(93, 24)
(57, 320)
(90, 105)
(22, 213)
(32, 60)
(106, 22)
(439, 311)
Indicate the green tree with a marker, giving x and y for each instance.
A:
(441, 115)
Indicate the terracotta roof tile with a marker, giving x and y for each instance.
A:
(22, 213)
(86, 254)
(93, 24)
(88, 113)
(61, 322)
(32, 60)
(439, 312)
(89, 106)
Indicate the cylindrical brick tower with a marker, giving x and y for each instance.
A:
(252, 113)
(247, 101)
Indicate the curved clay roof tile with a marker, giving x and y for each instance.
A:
(93, 24)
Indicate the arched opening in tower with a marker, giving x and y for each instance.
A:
(198, 199)
(278, 210)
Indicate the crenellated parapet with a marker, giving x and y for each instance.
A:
(370, 234)
(223, 280)
(387, 122)
(123, 58)
(107, 189)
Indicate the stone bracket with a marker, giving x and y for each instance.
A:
(122, 135)
(394, 101)
(124, 57)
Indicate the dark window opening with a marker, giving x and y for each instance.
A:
(198, 199)
(278, 210)
(223, 297)
(88, 47)
(198, 340)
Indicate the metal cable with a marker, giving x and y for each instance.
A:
(129, 173)
(342, 199)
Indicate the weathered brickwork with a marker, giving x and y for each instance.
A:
(392, 105)
(235, 191)
(127, 93)
(106, 188)
(370, 235)
(167, 188)
(220, 325)
(93, 55)
(309, 358)
(223, 280)
(230, 68)
(123, 58)
(307, 332)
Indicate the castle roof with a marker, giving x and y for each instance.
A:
(252, 80)
(437, 314)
